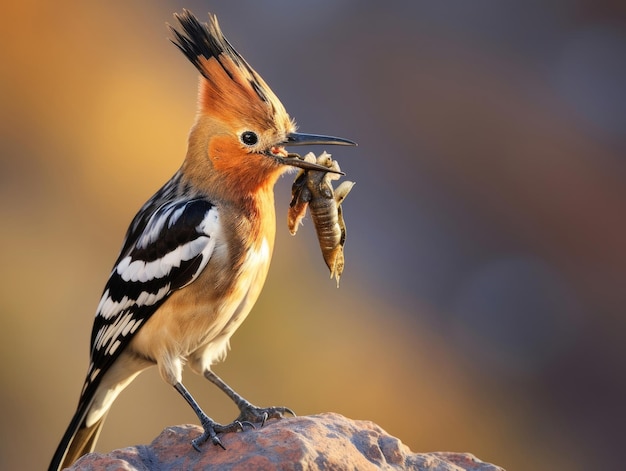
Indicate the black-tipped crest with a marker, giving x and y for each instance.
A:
(201, 40)
(232, 92)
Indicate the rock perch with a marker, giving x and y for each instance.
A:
(320, 442)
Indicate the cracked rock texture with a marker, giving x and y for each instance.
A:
(319, 442)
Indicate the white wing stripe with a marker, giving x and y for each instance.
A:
(176, 216)
(108, 307)
(152, 230)
(155, 226)
(141, 271)
(121, 316)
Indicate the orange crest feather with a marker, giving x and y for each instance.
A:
(229, 87)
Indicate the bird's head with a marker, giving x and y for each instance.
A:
(241, 128)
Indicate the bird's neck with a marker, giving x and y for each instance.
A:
(250, 210)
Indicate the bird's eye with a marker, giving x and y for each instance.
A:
(249, 138)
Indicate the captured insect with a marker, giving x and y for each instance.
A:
(313, 189)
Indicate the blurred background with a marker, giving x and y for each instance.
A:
(482, 307)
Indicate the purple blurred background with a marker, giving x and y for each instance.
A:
(482, 305)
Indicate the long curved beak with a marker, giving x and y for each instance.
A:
(301, 139)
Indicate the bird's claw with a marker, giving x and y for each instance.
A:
(244, 422)
(211, 429)
(248, 417)
(209, 432)
(252, 414)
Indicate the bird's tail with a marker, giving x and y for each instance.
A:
(79, 439)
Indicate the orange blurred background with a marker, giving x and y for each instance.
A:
(482, 304)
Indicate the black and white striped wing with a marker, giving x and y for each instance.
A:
(166, 254)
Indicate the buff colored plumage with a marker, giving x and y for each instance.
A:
(197, 253)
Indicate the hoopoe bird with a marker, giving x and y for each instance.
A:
(196, 255)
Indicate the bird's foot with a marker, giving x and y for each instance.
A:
(253, 414)
(212, 428)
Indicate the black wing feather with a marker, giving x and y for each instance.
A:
(128, 302)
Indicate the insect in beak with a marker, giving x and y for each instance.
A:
(295, 160)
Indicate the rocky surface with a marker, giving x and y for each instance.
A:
(320, 442)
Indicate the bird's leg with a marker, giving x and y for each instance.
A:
(248, 412)
(211, 428)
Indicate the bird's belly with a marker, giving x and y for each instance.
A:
(195, 325)
(232, 310)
